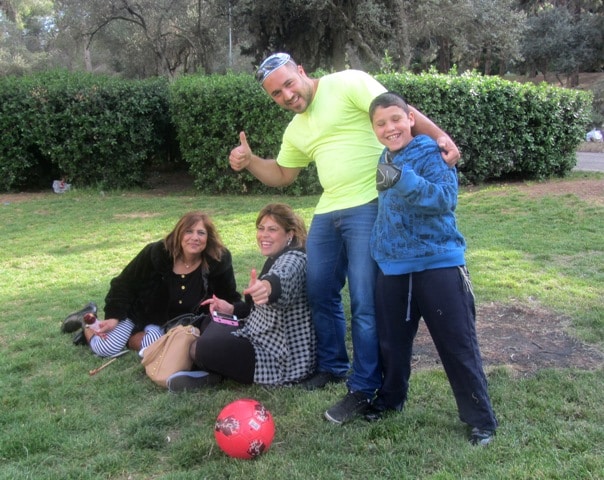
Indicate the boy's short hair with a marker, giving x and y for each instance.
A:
(385, 100)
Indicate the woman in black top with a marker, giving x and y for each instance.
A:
(166, 279)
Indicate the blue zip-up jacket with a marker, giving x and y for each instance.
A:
(416, 229)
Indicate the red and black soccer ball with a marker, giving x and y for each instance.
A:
(244, 429)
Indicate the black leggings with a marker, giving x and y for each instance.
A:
(216, 350)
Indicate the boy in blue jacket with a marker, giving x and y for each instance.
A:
(422, 273)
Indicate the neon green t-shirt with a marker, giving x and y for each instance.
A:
(335, 133)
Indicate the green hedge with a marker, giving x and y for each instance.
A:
(106, 132)
(19, 154)
(87, 129)
(504, 129)
(209, 112)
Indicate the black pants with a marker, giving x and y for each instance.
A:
(217, 351)
(444, 298)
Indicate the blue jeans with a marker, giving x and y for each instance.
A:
(337, 248)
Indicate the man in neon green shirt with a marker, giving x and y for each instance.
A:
(332, 128)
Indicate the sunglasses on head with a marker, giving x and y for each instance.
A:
(270, 64)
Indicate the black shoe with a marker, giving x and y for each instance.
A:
(79, 338)
(353, 404)
(378, 410)
(481, 437)
(75, 320)
(185, 380)
(320, 380)
(374, 414)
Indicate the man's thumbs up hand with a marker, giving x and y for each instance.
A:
(240, 156)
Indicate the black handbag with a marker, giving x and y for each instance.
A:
(198, 320)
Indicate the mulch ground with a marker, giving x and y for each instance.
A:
(523, 338)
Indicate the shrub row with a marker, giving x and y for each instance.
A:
(504, 129)
(86, 129)
(209, 113)
(108, 133)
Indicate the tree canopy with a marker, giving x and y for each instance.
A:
(145, 38)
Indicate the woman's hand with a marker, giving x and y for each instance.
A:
(259, 290)
(218, 305)
(105, 326)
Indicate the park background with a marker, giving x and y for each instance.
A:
(535, 251)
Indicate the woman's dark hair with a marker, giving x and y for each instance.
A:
(214, 248)
(289, 220)
(385, 100)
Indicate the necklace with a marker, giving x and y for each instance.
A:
(190, 265)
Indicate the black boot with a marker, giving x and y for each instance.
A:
(79, 338)
(74, 321)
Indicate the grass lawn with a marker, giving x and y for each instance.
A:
(57, 422)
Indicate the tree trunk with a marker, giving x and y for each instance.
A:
(87, 57)
(488, 60)
(405, 50)
(338, 52)
(573, 80)
(444, 55)
(353, 36)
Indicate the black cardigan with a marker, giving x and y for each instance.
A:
(141, 291)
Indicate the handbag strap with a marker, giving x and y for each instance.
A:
(184, 319)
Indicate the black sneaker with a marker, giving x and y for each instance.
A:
(320, 380)
(75, 320)
(353, 404)
(185, 380)
(378, 410)
(481, 437)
